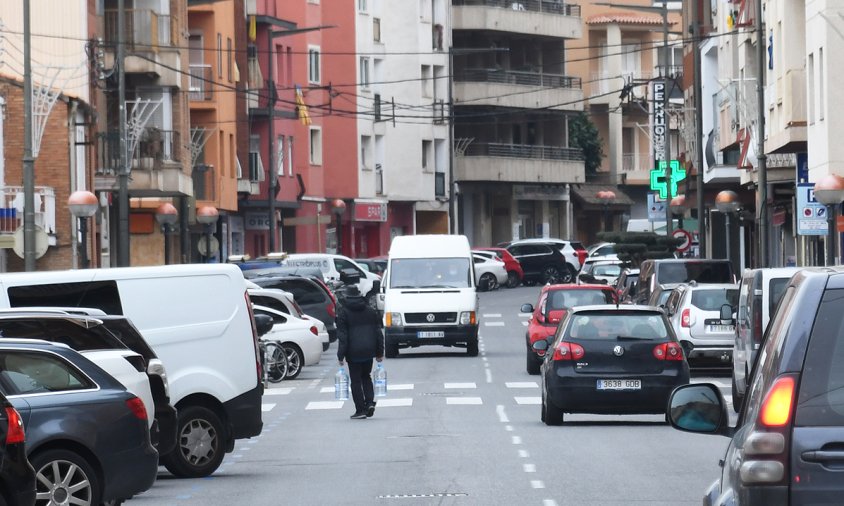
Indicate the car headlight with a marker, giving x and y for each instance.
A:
(394, 319)
(467, 318)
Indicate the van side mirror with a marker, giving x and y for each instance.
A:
(263, 323)
(526, 308)
(349, 276)
(726, 312)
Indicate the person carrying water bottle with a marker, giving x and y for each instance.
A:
(361, 338)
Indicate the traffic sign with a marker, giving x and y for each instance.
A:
(811, 217)
(679, 233)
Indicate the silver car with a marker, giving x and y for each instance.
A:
(695, 313)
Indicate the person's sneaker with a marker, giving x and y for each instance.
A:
(358, 416)
(370, 410)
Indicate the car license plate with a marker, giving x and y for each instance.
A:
(620, 384)
(428, 333)
(721, 328)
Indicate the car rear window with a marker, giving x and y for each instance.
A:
(712, 299)
(606, 270)
(303, 290)
(776, 287)
(61, 331)
(617, 325)
(702, 272)
(561, 299)
(130, 336)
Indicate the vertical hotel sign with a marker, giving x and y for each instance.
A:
(658, 128)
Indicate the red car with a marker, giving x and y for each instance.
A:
(554, 301)
(515, 274)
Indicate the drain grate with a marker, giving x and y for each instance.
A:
(423, 496)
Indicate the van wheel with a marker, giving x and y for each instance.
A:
(472, 348)
(200, 449)
(64, 477)
(391, 350)
(295, 360)
(512, 279)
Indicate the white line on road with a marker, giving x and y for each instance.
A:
(400, 386)
(529, 468)
(324, 405)
(508, 428)
(492, 315)
(549, 502)
(524, 324)
(395, 403)
(267, 407)
(484, 358)
(521, 384)
(525, 315)
(537, 484)
(325, 390)
(488, 375)
(459, 385)
(494, 324)
(464, 400)
(528, 400)
(502, 415)
(516, 440)
(278, 391)
(523, 454)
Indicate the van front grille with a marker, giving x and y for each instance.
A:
(424, 317)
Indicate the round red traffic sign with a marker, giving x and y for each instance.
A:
(687, 239)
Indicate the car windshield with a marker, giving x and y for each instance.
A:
(711, 299)
(702, 272)
(606, 270)
(563, 299)
(430, 273)
(616, 325)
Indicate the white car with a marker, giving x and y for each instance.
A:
(299, 339)
(283, 301)
(490, 272)
(600, 271)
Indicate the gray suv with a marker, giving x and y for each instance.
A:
(787, 446)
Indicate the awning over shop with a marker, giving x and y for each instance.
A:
(587, 196)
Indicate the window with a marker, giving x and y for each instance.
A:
(279, 164)
(256, 164)
(277, 318)
(427, 155)
(364, 72)
(341, 263)
(811, 73)
(427, 85)
(219, 55)
(270, 302)
(820, 85)
(32, 372)
(229, 56)
(313, 64)
(97, 294)
(315, 146)
(361, 5)
(365, 152)
(290, 156)
(376, 29)
(440, 83)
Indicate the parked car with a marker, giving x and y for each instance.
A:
(573, 252)
(695, 314)
(490, 272)
(542, 263)
(610, 360)
(284, 302)
(374, 265)
(786, 445)
(602, 251)
(551, 307)
(653, 273)
(312, 296)
(759, 293)
(332, 265)
(625, 286)
(17, 477)
(87, 436)
(515, 274)
(299, 339)
(601, 271)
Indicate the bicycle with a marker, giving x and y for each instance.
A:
(273, 360)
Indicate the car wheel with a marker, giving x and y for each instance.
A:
(64, 477)
(737, 398)
(201, 448)
(529, 282)
(472, 348)
(486, 282)
(295, 360)
(512, 279)
(391, 350)
(277, 365)
(568, 275)
(531, 363)
(551, 414)
(551, 274)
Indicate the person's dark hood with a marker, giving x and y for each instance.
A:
(355, 303)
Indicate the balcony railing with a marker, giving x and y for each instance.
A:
(155, 148)
(201, 80)
(439, 184)
(11, 208)
(631, 162)
(146, 30)
(524, 151)
(550, 6)
(203, 182)
(517, 77)
(603, 82)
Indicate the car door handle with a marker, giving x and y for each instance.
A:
(823, 456)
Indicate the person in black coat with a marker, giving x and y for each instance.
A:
(361, 338)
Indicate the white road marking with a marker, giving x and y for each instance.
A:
(516, 440)
(395, 403)
(324, 405)
(502, 416)
(267, 407)
(523, 454)
(492, 315)
(494, 324)
(537, 484)
(279, 391)
(400, 386)
(488, 376)
(525, 315)
(464, 400)
(529, 468)
(528, 400)
(484, 358)
(508, 428)
(325, 390)
(521, 384)
(524, 324)
(549, 502)
(459, 385)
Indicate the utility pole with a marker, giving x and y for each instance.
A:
(452, 195)
(28, 160)
(271, 171)
(666, 51)
(698, 103)
(762, 176)
(123, 165)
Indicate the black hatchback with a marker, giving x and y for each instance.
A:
(610, 360)
(17, 476)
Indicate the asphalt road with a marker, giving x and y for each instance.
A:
(452, 430)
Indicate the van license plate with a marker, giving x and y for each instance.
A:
(621, 384)
(721, 328)
(428, 333)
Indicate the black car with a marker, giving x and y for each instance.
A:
(312, 295)
(610, 360)
(787, 446)
(17, 477)
(541, 263)
(87, 436)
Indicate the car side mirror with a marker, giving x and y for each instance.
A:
(527, 308)
(699, 408)
(349, 276)
(726, 313)
(541, 345)
(263, 324)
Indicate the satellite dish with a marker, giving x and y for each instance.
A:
(41, 242)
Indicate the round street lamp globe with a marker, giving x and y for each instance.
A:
(82, 203)
(338, 206)
(829, 190)
(606, 196)
(727, 201)
(207, 215)
(678, 205)
(166, 214)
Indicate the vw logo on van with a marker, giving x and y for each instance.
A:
(618, 351)
(430, 317)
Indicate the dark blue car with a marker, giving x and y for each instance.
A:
(87, 437)
(17, 477)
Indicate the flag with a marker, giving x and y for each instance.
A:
(253, 28)
(302, 109)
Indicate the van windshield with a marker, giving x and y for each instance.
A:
(702, 272)
(430, 273)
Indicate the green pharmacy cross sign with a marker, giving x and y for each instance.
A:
(658, 182)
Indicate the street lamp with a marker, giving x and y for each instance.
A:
(208, 216)
(829, 191)
(83, 204)
(338, 207)
(607, 197)
(166, 215)
(727, 202)
(677, 206)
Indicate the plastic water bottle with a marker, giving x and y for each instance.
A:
(380, 381)
(341, 385)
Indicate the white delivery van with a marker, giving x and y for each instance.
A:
(331, 265)
(198, 320)
(430, 296)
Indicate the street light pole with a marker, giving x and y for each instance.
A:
(666, 51)
(28, 160)
(271, 170)
(727, 202)
(698, 104)
(207, 216)
(83, 204)
(829, 191)
(166, 215)
(762, 204)
(123, 165)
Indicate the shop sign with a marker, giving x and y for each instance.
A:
(257, 221)
(371, 211)
(538, 192)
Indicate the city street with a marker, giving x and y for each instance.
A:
(453, 430)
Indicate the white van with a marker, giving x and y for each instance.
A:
(331, 265)
(198, 320)
(430, 296)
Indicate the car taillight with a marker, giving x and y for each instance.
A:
(136, 406)
(332, 310)
(15, 434)
(686, 318)
(258, 367)
(777, 406)
(568, 351)
(581, 255)
(668, 351)
(314, 331)
(757, 322)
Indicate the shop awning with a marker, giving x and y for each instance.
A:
(587, 196)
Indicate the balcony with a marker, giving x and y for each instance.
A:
(11, 211)
(634, 162)
(148, 40)
(519, 163)
(548, 18)
(156, 166)
(518, 89)
(200, 83)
